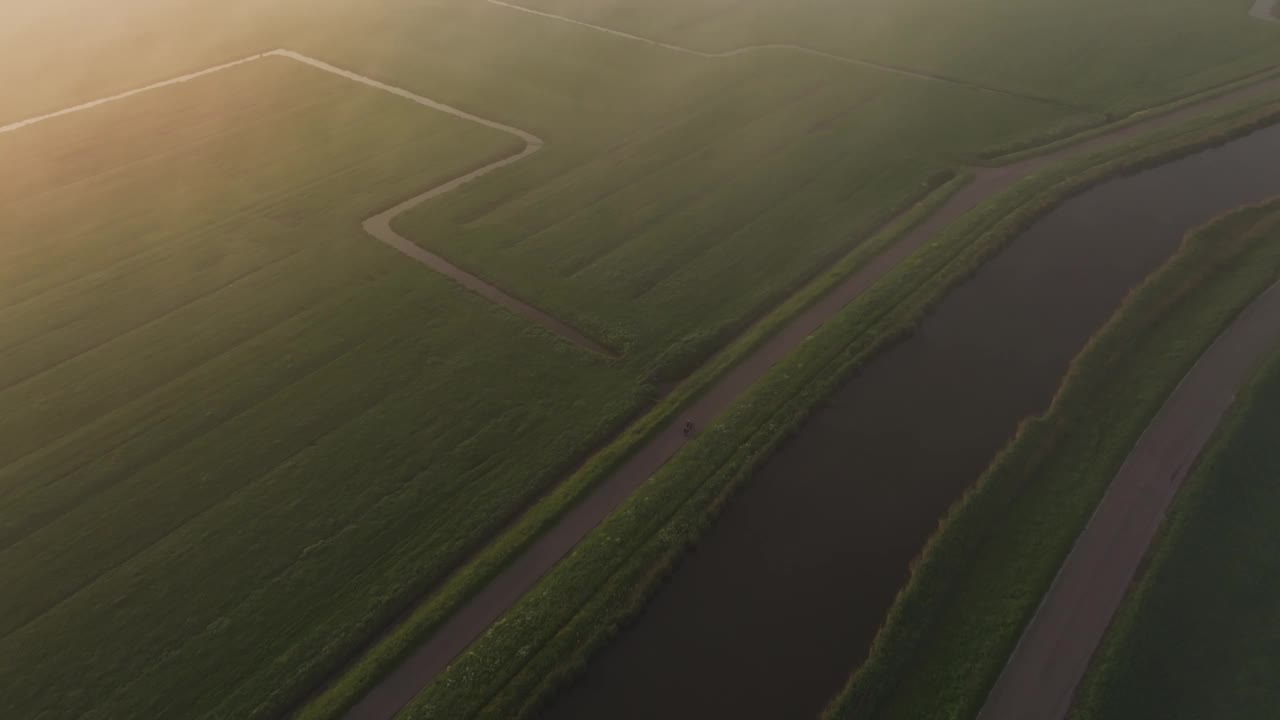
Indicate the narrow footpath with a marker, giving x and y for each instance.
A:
(1054, 652)
(400, 686)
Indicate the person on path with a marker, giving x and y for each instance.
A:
(688, 428)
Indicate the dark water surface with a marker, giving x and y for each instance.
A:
(784, 594)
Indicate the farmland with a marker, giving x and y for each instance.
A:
(240, 436)
(1197, 635)
(228, 399)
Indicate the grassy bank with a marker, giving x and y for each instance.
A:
(983, 574)
(542, 642)
(1197, 636)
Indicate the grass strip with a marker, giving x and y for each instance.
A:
(1197, 635)
(983, 574)
(548, 637)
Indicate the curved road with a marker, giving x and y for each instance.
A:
(1054, 652)
(399, 687)
(379, 226)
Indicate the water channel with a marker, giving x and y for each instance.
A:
(782, 597)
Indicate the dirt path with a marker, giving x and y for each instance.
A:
(379, 226)
(786, 47)
(1055, 649)
(1268, 10)
(431, 658)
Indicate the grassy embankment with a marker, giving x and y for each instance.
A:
(235, 427)
(1197, 636)
(545, 640)
(985, 571)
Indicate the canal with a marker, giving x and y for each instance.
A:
(783, 596)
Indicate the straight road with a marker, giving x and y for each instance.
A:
(1041, 677)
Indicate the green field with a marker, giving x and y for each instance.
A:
(234, 424)
(240, 436)
(983, 574)
(688, 197)
(1091, 53)
(1198, 635)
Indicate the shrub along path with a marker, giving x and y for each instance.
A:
(1056, 647)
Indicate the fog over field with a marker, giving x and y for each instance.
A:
(368, 356)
